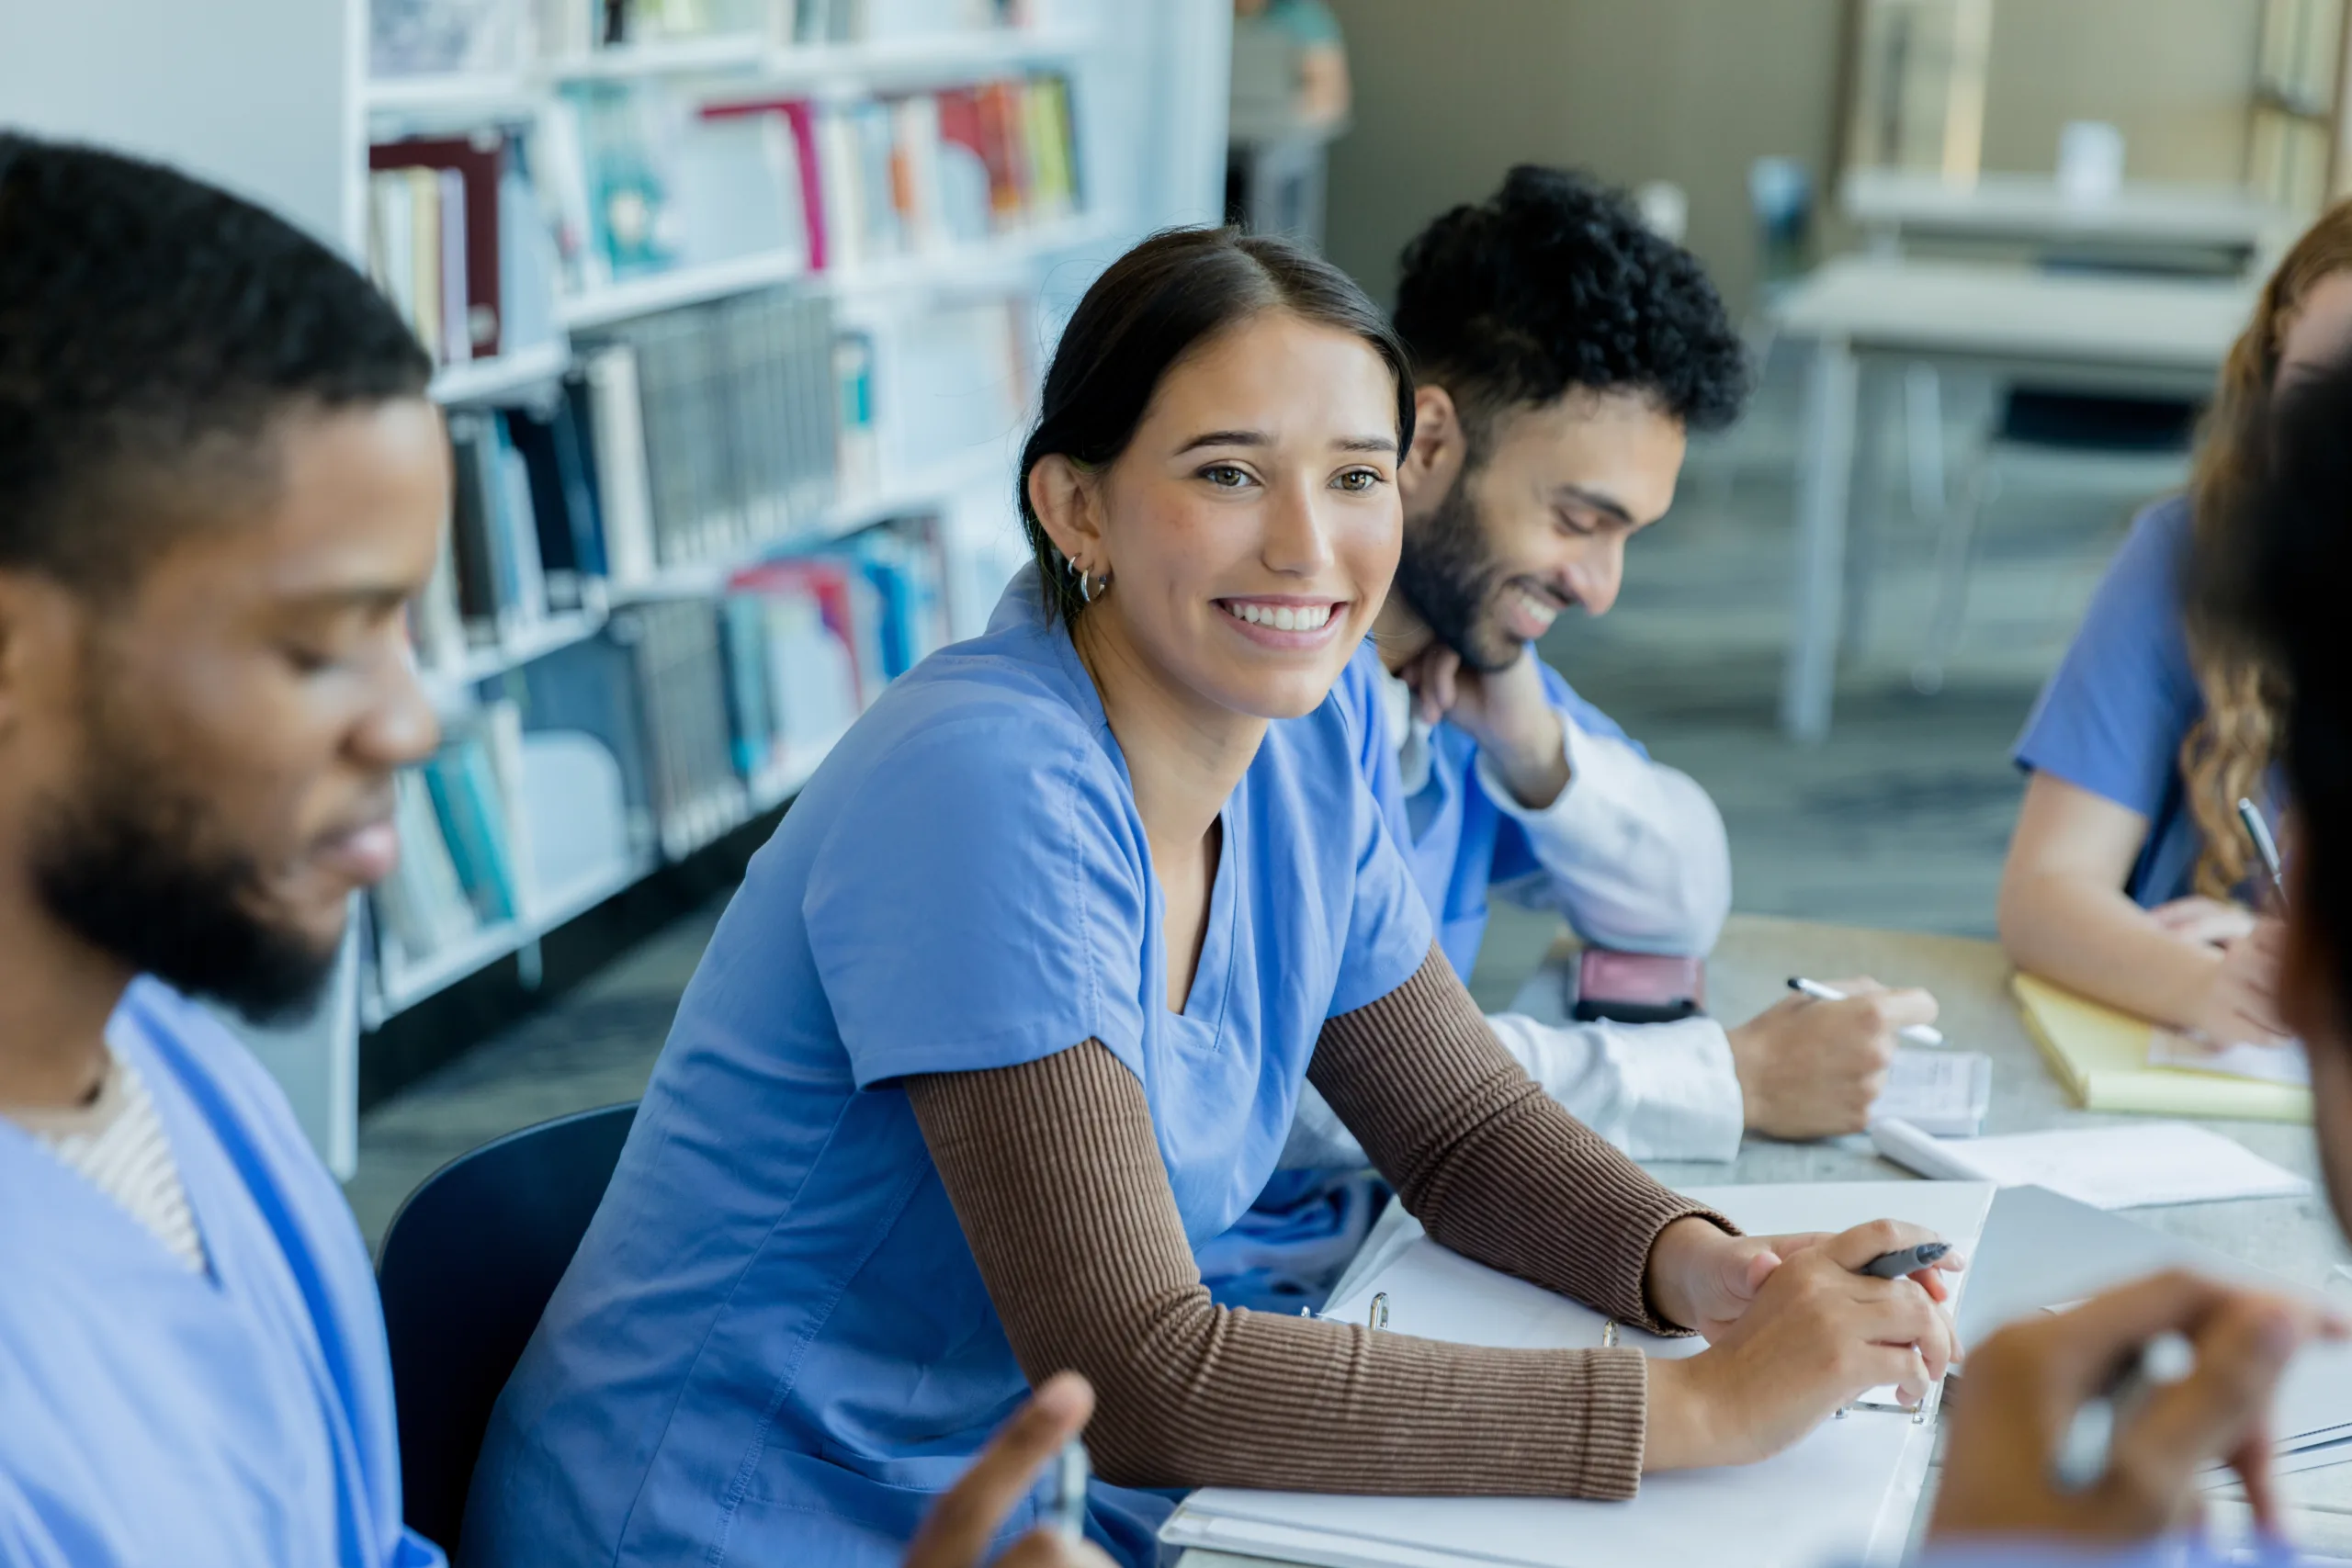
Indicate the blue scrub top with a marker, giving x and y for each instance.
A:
(1457, 842)
(1302, 1230)
(240, 1418)
(2113, 717)
(774, 1346)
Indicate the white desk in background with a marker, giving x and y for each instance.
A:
(1749, 971)
(2153, 336)
(1888, 205)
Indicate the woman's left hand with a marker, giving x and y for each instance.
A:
(1705, 1279)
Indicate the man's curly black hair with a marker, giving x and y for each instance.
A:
(150, 325)
(1555, 282)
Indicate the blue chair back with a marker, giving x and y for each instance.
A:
(467, 1267)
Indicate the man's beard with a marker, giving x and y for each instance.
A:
(124, 862)
(1449, 577)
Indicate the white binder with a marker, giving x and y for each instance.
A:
(1845, 1492)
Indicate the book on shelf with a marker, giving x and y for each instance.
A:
(441, 38)
(692, 438)
(645, 178)
(866, 21)
(571, 29)
(463, 867)
(456, 239)
(713, 431)
(705, 700)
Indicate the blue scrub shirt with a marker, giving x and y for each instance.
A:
(240, 1418)
(2113, 717)
(1458, 844)
(774, 1346)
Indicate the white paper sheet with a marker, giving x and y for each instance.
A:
(1845, 1492)
(2270, 1064)
(1942, 1092)
(2144, 1164)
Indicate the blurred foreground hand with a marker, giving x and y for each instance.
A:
(960, 1525)
(2025, 1383)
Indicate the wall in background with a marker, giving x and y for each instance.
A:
(1447, 97)
(2177, 75)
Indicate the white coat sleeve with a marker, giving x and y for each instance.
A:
(1633, 852)
(1655, 1090)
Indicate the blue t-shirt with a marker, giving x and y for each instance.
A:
(775, 1345)
(237, 1418)
(2113, 717)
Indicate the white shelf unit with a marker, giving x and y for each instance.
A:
(1148, 89)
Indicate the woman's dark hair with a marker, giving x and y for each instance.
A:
(2276, 585)
(1151, 308)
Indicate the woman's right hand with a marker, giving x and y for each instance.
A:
(1819, 1335)
(2239, 1001)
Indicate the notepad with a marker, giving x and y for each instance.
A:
(2103, 1057)
(1942, 1092)
(2108, 1167)
(1844, 1493)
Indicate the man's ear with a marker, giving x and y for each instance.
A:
(1434, 461)
(1068, 500)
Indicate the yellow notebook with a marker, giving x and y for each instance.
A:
(2101, 1055)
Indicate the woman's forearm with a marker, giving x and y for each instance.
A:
(2094, 940)
(1058, 1183)
(1495, 1167)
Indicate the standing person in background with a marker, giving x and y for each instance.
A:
(2277, 575)
(2130, 876)
(1563, 352)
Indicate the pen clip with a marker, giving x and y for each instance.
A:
(1376, 1317)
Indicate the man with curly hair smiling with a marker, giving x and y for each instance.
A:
(1563, 353)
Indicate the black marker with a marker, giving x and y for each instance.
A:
(1910, 1260)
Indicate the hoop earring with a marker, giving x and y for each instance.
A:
(1078, 576)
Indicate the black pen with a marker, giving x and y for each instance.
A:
(1909, 1261)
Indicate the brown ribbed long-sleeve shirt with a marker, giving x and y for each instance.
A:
(1058, 1181)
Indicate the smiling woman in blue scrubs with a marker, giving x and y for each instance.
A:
(1015, 1009)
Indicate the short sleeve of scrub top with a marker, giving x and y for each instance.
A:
(998, 850)
(2113, 717)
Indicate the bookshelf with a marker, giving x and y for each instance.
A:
(911, 489)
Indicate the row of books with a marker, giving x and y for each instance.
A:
(457, 240)
(859, 21)
(644, 181)
(463, 867)
(697, 435)
(414, 38)
(708, 709)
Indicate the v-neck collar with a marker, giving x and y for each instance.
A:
(1204, 1001)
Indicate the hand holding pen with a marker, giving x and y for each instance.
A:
(1042, 1435)
(2092, 1425)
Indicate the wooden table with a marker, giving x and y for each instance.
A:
(2297, 1238)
